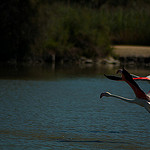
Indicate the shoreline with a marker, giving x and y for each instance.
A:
(132, 51)
(133, 55)
(123, 55)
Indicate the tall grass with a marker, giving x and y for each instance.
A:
(71, 29)
(72, 32)
(128, 25)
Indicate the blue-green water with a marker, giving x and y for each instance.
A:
(62, 110)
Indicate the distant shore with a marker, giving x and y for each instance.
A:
(124, 55)
(132, 51)
(133, 54)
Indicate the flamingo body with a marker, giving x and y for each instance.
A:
(141, 98)
(138, 101)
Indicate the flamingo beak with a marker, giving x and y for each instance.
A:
(101, 95)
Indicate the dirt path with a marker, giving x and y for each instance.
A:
(132, 51)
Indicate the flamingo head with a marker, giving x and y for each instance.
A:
(126, 76)
(107, 94)
(120, 71)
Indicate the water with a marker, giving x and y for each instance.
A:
(60, 109)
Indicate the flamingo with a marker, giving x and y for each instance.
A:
(135, 77)
(141, 98)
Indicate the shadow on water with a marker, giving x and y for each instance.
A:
(93, 141)
(34, 135)
(97, 141)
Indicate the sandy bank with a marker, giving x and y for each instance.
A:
(132, 51)
(133, 55)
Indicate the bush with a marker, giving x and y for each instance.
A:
(74, 32)
(71, 29)
(128, 25)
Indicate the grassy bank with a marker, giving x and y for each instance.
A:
(132, 51)
(71, 30)
(128, 25)
(74, 31)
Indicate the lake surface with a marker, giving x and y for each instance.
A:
(59, 108)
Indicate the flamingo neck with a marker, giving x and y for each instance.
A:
(122, 98)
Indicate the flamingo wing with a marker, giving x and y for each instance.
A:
(130, 80)
(113, 77)
(142, 78)
(137, 90)
(134, 78)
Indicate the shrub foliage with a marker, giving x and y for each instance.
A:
(70, 29)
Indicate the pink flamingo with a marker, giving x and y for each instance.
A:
(135, 77)
(141, 98)
(141, 78)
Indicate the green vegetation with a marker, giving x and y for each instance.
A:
(129, 25)
(38, 29)
(72, 32)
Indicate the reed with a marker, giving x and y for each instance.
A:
(75, 31)
(72, 32)
(128, 25)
